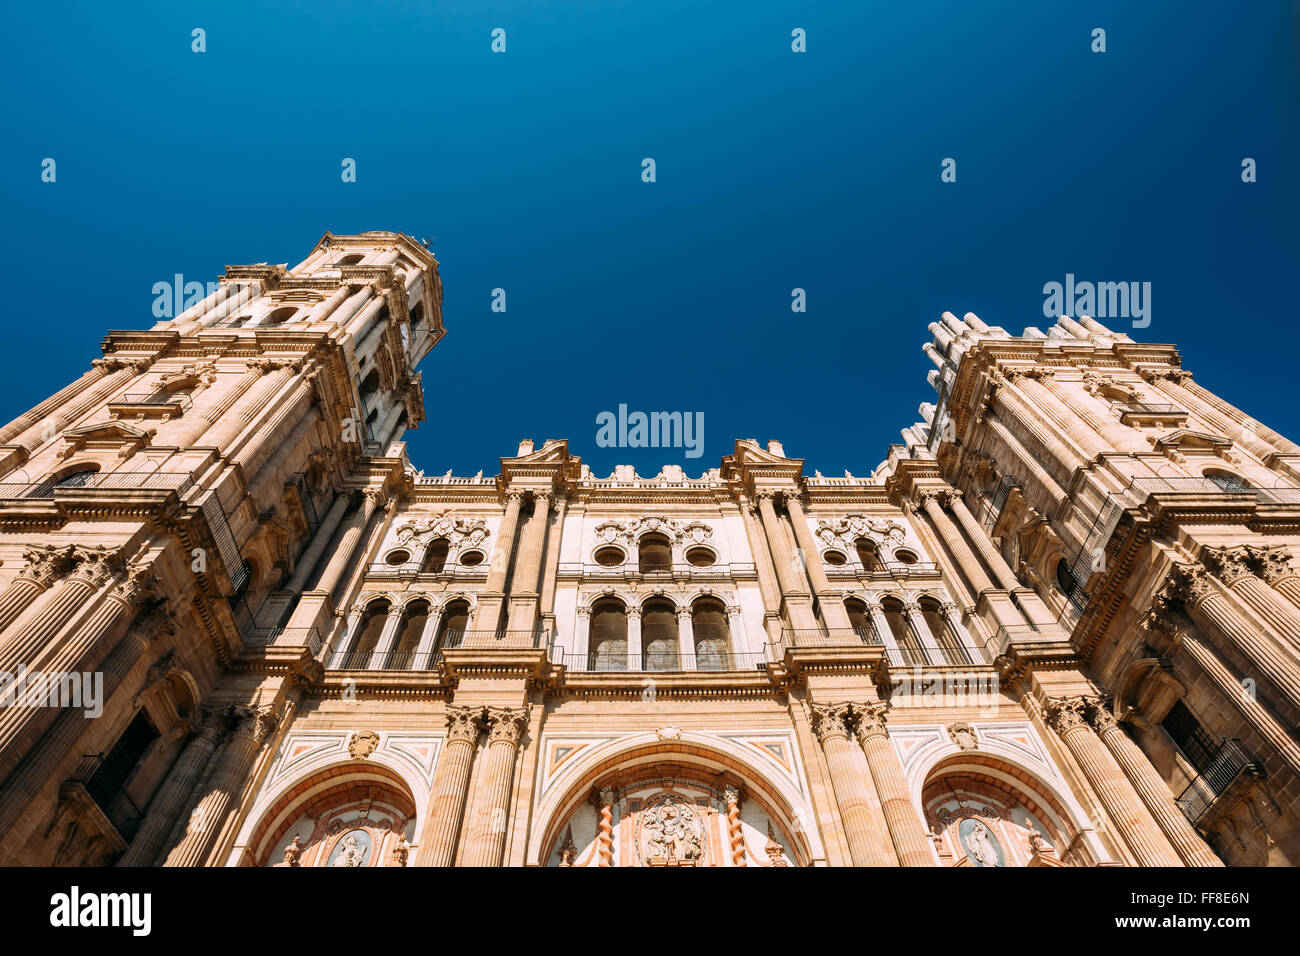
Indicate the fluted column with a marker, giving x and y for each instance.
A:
(1125, 809)
(983, 544)
(1041, 387)
(424, 650)
(886, 633)
(209, 815)
(832, 603)
(487, 831)
(188, 432)
(1233, 567)
(1274, 566)
(307, 563)
(829, 723)
(172, 796)
(271, 375)
(1027, 461)
(442, 825)
(528, 566)
(959, 635)
(44, 565)
(685, 639)
(59, 398)
(488, 616)
(1150, 786)
(952, 538)
(1210, 609)
(42, 431)
(341, 560)
(792, 583)
(924, 637)
(908, 833)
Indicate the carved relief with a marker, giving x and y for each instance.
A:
(669, 832)
(362, 744)
(963, 735)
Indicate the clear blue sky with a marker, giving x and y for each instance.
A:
(775, 170)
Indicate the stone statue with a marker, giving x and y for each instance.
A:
(292, 852)
(979, 845)
(353, 853)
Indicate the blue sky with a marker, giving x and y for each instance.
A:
(775, 170)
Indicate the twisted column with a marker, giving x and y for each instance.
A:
(829, 723)
(442, 826)
(604, 800)
(1136, 826)
(176, 790)
(1149, 786)
(487, 841)
(911, 841)
(209, 817)
(735, 832)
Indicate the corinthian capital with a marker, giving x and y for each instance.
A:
(830, 720)
(1097, 712)
(505, 725)
(1190, 583)
(871, 721)
(254, 724)
(1064, 714)
(1272, 564)
(46, 563)
(1230, 565)
(463, 724)
(96, 564)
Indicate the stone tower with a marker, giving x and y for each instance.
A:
(1157, 523)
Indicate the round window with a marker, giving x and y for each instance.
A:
(609, 557)
(835, 559)
(700, 557)
(398, 556)
(471, 559)
(903, 556)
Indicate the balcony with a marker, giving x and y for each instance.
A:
(669, 663)
(99, 481)
(846, 637)
(1027, 634)
(1139, 413)
(1230, 769)
(121, 818)
(151, 405)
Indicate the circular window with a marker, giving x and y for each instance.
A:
(700, 557)
(835, 559)
(399, 556)
(471, 558)
(903, 556)
(609, 557)
(1064, 578)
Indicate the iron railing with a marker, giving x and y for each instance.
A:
(1228, 763)
(154, 398)
(829, 637)
(1145, 410)
(605, 662)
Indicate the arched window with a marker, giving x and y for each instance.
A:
(908, 645)
(351, 259)
(712, 636)
(370, 386)
(451, 630)
(76, 479)
(280, 315)
(414, 617)
(868, 554)
(417, 316)
(435, 556)
(1228, 481)
(937, 622)
(1064, 577)
(608, 641)
(860, 619)
(655, 553)
(368, 631)
(659, 636)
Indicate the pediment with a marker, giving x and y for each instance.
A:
(124, 437)
(1186, 439)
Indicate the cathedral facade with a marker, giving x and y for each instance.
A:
(1059, 625)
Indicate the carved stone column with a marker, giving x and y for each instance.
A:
(487, 828)
(1211, 610)
(307, 563)
(424, 650)
(735, 831)
(528, 567)
(190, 429)
(924, 637)
(952, 539)
(829, 723)
(975, 533)
(22, 643)
(493, 594)
(44, 565)
(442, 825)
(1233, 567)
(1136, 826)
(911, 840)
(793, 592)
(172, 796)
(831, 601)
(252, 727)
(686, 640)
(1274, 566)
(119, 372)
(1149, 786)
(604, 801)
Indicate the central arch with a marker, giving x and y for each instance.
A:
(693, 769)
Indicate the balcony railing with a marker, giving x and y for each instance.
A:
(308, 637)
(615, 662)
(1228, 763)
(1009, 634)
(113, 480)
(179, 399)
(395, 660)
(792, 637)
(1157, 412)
